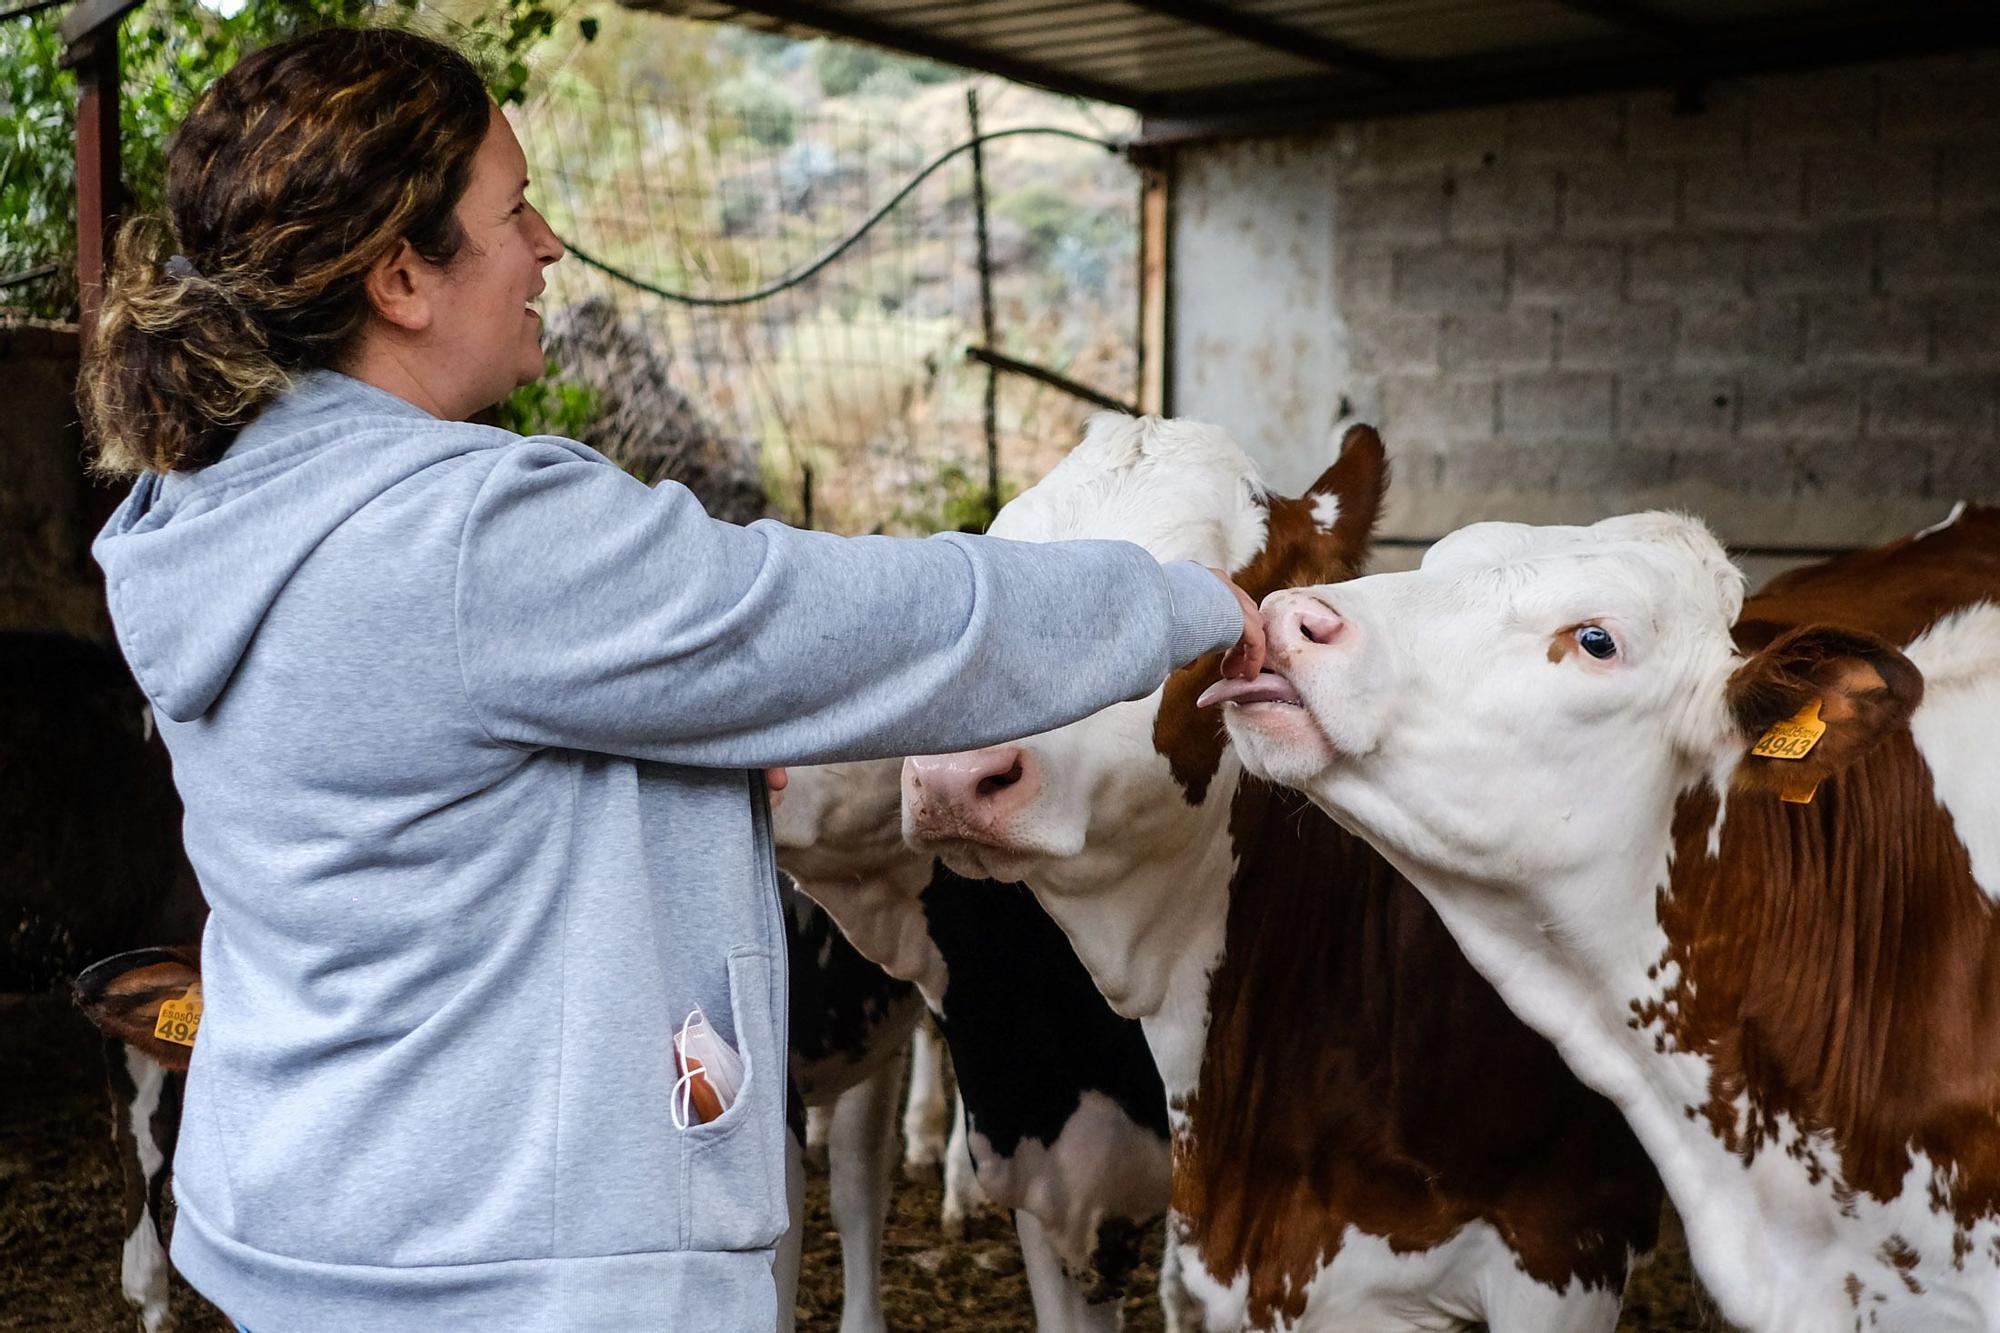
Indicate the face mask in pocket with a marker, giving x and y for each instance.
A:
(711, 1072)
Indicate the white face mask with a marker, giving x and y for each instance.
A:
(711, 1072)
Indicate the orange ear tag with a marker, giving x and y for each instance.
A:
(180, 1019)
(1795, 737)
(1798, 793)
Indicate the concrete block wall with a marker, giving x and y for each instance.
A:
(1781, 311)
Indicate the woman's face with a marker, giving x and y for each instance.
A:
(484, 323)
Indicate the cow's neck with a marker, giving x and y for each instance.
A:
(1348, 1043)
(881, 913)
(1798, 1010)
(1151, 939)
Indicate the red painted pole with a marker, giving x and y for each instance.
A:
(99, 187)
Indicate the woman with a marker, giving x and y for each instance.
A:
(469, 727)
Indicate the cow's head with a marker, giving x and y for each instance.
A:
(1523, 710)
(839, 822)
(1076, 809)
(122, 996)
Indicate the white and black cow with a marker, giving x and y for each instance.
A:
(1062, 1114)
(1745, 882)
(1364, 1136)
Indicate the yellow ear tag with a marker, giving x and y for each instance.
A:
(1795, 737)
(1798, 793)
(180, 1019)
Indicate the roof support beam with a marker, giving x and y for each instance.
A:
(1246, 26)
(845, 23)
(1637, 19)
(1285, 106)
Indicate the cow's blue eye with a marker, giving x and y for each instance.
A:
(1597, 641)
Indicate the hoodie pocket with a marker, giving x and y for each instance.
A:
(733, 1167)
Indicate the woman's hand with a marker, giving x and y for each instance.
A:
(1246, 659)
(774, 782)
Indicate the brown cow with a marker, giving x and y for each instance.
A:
(1746, 885)
(1364, 1135)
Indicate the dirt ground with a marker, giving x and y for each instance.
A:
(59, 1230)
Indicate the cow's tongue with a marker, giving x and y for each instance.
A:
(1267, 688)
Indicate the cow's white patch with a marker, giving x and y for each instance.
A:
(1470, 1279)
(1101, 1165)
(1326, 512)
(1957, 730)
(1777, 1241)
(143, 1265)
(1957, 512)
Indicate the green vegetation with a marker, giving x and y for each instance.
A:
(713, 159)
(171, 50)
(555, 404)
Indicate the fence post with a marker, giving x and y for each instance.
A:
(90, 40)
(985, 307)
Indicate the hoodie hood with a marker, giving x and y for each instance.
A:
(193, 560)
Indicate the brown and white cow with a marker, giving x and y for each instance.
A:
(1746, 884)
(90, 852)
(1365, 1138)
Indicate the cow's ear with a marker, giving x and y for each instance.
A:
(1813, 702)
(123, 995)
(1355, 483)
(1323, 536)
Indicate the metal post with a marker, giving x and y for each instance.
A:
(985, 307)
(90, 35)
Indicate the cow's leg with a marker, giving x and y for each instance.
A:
(924, 1127)
(861, 1152)
(963, 1193)
(791, 1246)
(1061, 1305)
(818, 1120)
(146, 1119)
(1177, 1308)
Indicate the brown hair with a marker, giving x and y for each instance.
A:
(293, 174)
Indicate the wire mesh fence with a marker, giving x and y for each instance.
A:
(851, 385)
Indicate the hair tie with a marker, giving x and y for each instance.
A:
(179, 266)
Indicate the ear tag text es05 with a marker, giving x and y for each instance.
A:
(180, 1019)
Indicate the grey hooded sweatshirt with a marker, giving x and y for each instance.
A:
(468, 729)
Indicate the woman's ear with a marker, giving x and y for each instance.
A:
(399, 286)
(1815, 701)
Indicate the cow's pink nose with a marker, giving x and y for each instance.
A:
(1300, 621)
(972, 794)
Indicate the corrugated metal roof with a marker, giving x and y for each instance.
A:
(1218, 61)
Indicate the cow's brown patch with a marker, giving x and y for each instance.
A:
(1894, 592)
(1838, 965)
(1840, 968)
(1297, 552)
(1359, 1072)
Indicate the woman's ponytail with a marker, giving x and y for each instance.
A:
(177, 365)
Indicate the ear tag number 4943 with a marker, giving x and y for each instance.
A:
(1794, 738)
